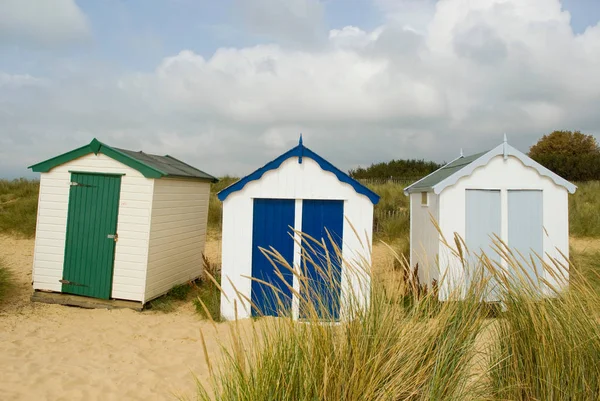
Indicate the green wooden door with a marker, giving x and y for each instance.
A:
(91, 230)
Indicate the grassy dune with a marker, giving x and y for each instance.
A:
(18, 208)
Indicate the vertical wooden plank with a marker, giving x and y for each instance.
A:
(272, 219)
(483, 223)
(526, 228)
(92, 217)
(321, 219)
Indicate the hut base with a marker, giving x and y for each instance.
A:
(84, 302)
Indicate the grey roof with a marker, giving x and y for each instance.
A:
(427, 183)
(168, 165)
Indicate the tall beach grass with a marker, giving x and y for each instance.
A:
(536, 349)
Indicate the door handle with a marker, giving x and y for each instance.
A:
(114, 237)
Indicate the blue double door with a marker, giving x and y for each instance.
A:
(322, 224)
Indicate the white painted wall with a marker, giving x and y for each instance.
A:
(131, 252)
(502, 175)
(290, 181)
(424, 237)
(177, 234)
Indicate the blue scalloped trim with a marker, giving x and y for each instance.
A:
(300, 151)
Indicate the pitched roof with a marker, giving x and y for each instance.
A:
(464, 165)
(151, 166)
(300, 151)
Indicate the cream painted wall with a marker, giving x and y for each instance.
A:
(291, 180)
(502, 175)
(131, 251)
(177, 234)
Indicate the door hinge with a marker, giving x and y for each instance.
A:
(78, 184)
(115, 237)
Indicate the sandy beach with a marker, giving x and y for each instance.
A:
(55, 352)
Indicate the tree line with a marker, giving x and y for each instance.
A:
(396, 169)
(571, 154)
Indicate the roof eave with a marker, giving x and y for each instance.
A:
(499, 150)
(95, 146)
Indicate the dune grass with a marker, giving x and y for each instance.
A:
(392, 213)
(168, 302)
(215, 207)
(6, 281)
(536, 349)
(18, 209)
(18, 206)
(584, 210)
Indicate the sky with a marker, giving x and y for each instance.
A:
(229, 85)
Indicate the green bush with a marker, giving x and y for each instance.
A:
(396, 169)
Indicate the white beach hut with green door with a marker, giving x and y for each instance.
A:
(501, 193)
(118, 224)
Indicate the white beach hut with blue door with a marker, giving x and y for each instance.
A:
(299, 191)
(117, 224)
(503, 193)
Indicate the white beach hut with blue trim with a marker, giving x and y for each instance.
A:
(500, 193)
(298, 191)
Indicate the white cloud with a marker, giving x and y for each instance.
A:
(475, 71)
(41, 22)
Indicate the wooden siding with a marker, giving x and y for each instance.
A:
(424, 237)
(131, 252)
(506, 175)
(177, 234)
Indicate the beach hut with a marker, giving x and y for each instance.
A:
(117, 224)
(501, 192)
(299, 191)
